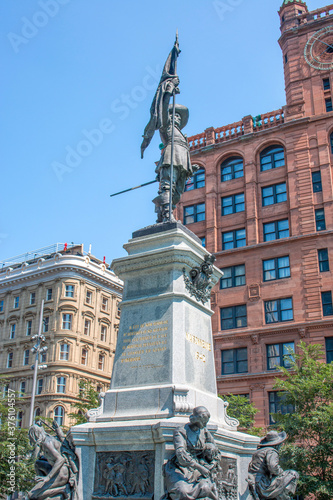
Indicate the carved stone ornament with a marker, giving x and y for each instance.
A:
(122, 474)
(96, 412)
(200, 282)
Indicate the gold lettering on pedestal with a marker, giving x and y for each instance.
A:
(199, 342)
(201, 357)
(144, 338)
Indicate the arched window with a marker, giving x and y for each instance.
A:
(331, 141)
(196, 181)
(232, 168)
(59, 414)
(272, 157)
(37, 412)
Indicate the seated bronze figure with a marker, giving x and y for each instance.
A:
(267, 480)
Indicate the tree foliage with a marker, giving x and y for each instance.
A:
(88, 399)
(16, 466)
(245, 412)
(308, 385)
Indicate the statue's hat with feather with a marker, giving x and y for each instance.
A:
(183, 112)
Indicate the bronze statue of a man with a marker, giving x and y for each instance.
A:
(267, 480)
(189, 474)
(56, 465)
(169, 120)
(182, 167)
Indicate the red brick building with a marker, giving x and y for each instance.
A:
(263, 204)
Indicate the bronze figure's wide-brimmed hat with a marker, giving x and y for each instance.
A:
(183, 112)
(273, 438)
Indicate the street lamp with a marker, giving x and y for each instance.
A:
(37, 349)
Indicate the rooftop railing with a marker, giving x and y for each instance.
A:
(315, 15)
(249, 124)
(40, 252)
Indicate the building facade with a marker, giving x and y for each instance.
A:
(80, 324)
(262, 203)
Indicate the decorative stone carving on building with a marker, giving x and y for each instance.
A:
(200, 282)
(254, 292)
(124, 474)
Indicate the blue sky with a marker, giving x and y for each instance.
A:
(80, 75)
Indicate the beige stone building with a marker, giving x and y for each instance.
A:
(80, 323)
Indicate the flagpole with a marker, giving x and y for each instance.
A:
(172, 148)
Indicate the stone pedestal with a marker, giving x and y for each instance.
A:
(164, 367)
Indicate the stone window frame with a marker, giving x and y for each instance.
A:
(61, 383)
(234, 205)
(26, 357)
(283, 354)
(198, 215)
(23, 385)
(275, 195)
(232, 162)
(101, 361)
(233, 276)
(19, 418)
(59, 418)
(320, 219)
(329, 349)
(275, 400)
(87, 326)
(86, 349)
(277, 230)
(236, 352)
(326, 303)
(28, 329)
(12, 330)
(67, 321)
(88, 300)
(10, 359)
(104, 306)
(37, 412)
(316, 182)
(46, 324)
(49, 296)
(270, 152)
(276, 268)
(279, 310)
(323, 260)
(235, 240)
(16, 304)
(195, 180)
(237, 312)
(40, 386)
(328, 104)
(32, 299)
(69, 294)
(64, 351)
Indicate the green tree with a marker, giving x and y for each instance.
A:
(245, 412)
(88, 399)
(16, 466)
(308, 385)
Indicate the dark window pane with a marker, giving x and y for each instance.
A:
(232, 168)
(323, 260)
